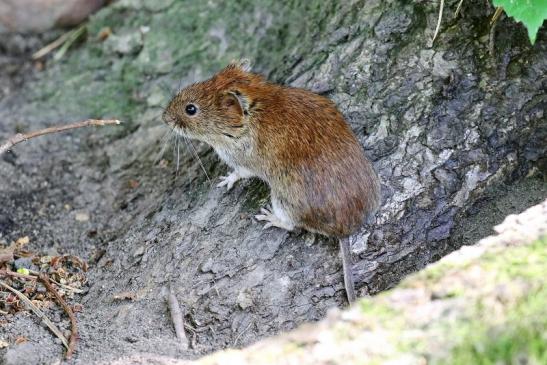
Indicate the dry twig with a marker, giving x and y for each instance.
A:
(64, 286)
(439, 20)
(21, 137)
(241, 334)
(178, 319)
(492, 33)
(51, 46)
(32, 277)
(65, 40)
(73, 325)
(458, 8)
(14, 274)
(496, 16)
(38, 312)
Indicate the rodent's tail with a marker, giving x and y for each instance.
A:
(347, 265)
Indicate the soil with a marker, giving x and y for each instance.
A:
(144, 226)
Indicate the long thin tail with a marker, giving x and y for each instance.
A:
(346, 267)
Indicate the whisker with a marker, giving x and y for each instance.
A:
(178, 153)
(175, 148)
(194, 152)
(158, 117)
(164, 142)
(167, 134)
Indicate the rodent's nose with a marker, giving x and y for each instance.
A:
(167, 118)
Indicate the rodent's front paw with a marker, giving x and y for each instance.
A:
(228, 181)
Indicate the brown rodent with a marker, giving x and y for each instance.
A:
(296, 141)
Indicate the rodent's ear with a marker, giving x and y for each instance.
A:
(235, 101)
(244, 64)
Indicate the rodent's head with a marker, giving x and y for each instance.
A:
(215, 110)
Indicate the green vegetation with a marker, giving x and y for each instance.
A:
(257, 195)
(531, 13)
(520, 338)
(200, 36)
(521, 332)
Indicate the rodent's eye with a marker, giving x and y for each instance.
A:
(191, 109)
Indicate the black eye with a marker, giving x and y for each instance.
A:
(191, 109)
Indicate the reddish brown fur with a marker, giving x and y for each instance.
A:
(295, 140)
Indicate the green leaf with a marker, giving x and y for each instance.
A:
(531, 13)
(23, 271)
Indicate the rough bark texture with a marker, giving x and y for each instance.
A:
(444, 126)
(442, 315)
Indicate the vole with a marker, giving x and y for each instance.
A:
(294, 140)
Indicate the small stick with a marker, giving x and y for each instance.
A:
(241, 333)
(21, 137)
(492, 37)
(38, 312)
(438, 22)
(458, 8)
(496, 15)
(32, 277)
(492, 34)
(73, 325)
(68, 287)
(72, 37)
(16, 275)
(64, 286)
(177, 318)
(50, 47)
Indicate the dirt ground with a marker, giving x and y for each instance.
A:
(104, 197)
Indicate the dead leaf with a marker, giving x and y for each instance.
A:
(3, 344)
(22, 241)
(133, 184)
(39, 65)
(77, 308)
(125, 295)
(6, 254)
(20, 339)
(104, 33)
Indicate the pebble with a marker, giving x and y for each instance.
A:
(23, 354)
(24, 263)
(244, 299)
(82, 216)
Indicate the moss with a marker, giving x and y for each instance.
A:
(257, 195)
(521, 338)
(527, 262)
(184, 36)
(471, 334)
(378, 310)
(517, 331)
(432, 274)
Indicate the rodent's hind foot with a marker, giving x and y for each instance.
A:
(273, 220)
(229, 180)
